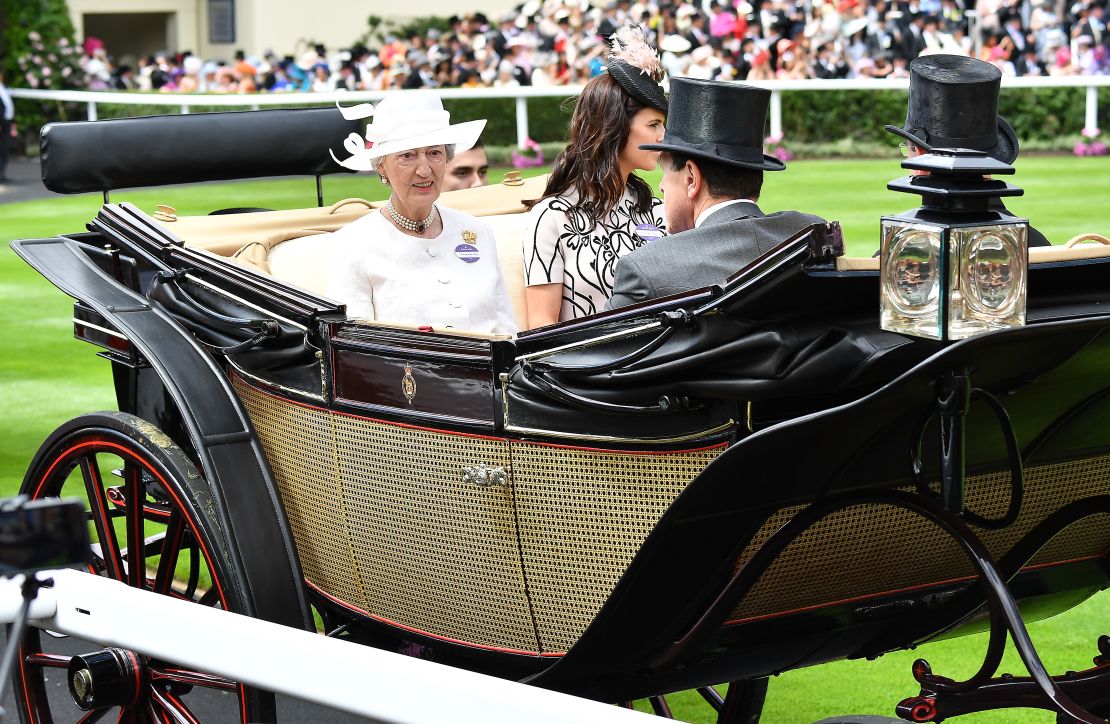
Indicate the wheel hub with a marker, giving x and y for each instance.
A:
(110, 677)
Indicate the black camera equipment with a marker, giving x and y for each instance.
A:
(37, 535)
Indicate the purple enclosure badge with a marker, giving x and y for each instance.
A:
(649, 232)
(467, 253)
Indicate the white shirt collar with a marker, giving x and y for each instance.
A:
(716, 207)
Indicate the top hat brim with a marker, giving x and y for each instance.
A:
(755, 159)
(637, 84)
(1005, 150)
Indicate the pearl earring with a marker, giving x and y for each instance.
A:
(384, 180)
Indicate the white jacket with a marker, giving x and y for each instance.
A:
(452, 281)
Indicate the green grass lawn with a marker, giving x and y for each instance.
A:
(46, 377)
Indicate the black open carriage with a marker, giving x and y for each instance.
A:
(713, 487)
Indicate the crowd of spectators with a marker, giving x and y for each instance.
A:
(559, 42)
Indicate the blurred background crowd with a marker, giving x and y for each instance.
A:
(558, 42)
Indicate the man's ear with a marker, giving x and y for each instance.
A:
(692, 179)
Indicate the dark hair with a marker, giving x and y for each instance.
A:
(723, 180)
(590, 163)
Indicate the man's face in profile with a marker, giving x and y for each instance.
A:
(467, 170)
(676, 206)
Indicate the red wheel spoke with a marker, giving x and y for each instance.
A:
(50, 661)
(210, 597)
(194, 568)
(660, 707)
(141, 531)
(176, 708)
(171, 550)
(109, 546)
(94, 715)
(193, 678)
(157, 714)
(136, 533)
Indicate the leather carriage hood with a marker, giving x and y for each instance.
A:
(762, 347)
(797, 367)
(281, 353)
(85, 156)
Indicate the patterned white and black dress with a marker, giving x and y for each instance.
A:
(562, 245)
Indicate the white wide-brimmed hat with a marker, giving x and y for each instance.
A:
(674, 44)
(402, 122)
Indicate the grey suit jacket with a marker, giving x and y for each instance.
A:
(728, 240)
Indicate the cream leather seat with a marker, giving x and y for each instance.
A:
(295, 246)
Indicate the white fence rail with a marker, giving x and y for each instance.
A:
(384, 686)
(186, 101)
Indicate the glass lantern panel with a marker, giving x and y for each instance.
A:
(912, 274)
(988, 290)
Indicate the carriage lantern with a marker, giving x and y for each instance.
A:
(957, 266)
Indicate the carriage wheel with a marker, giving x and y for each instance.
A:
(131, 478)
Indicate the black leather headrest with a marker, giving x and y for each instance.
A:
(159, 150)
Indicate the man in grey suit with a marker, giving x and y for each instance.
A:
(713, 164)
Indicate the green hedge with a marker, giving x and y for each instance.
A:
(548, 118)
(810, 118)
(1038, 114)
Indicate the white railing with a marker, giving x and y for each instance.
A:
(360, 680)
(185, 101)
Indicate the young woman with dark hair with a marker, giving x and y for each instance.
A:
(595, 209)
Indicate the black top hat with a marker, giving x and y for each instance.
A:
(606, 28)
(718, 121)
(954, 104)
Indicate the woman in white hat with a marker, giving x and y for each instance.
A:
(595, 209)
(415, 262)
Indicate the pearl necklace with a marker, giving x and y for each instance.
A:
(406, 223)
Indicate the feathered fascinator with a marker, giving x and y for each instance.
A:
(628, 45)
(636, 67)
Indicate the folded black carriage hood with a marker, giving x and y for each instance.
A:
(793, 337)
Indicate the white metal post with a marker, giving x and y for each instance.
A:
(91, 111)
(184, 109)
(521, 121)
(776, 114)
(1091, 123)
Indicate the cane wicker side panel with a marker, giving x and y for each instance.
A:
(300, 447)
(867, 550)
(441, 554)
(583, 515)
(384, 522)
